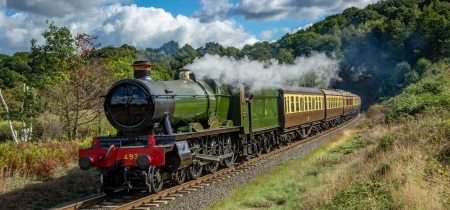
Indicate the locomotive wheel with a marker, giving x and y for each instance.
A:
(155, 178)
(259, 145)
(212, 148)
(227, 148)
(266, 145)
(194, 172)
(181, 176)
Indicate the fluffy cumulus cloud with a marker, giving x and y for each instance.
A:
(213, 10)
(115, 25)
(286, 30)
(268, 34)
(267, 10)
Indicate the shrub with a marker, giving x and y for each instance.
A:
(38, 159)
(427, 85)
(364, 195)
(415, 104)
(386, 142)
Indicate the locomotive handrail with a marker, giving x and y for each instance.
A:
(193, 95)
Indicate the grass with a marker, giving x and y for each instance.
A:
(24, 192)
(291, 182)
(39, 159)
(40, 175)
(402, 165)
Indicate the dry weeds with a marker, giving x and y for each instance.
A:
(415, 176)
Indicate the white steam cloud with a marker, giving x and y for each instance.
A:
(318, 69)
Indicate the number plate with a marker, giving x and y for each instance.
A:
(130, 156)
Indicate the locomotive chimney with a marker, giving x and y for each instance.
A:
(142, 70)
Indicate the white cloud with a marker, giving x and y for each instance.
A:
(213, 10)
(304, 27)
(268, 34)
(141, 27)
(286, 30)
(268, 10)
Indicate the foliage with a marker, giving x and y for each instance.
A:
(121, 67)
(55, 56)
(358, 197)
(429, 93)
(38, 159)
(10, 79)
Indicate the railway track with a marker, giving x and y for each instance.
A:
(124, 200)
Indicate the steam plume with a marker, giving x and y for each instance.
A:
(317, 70)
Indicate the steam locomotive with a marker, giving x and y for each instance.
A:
(171, 131)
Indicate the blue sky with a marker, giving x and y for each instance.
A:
(151, 23)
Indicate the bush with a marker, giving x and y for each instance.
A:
(386, 142)
(364, 195)
(415, 104)
(427, 85)
(38, 159)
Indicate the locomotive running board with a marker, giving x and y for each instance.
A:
(214, 158)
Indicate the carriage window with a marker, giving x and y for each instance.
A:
(301, 104)
(317, 103)
(314, 106)
(297, 104)
(320, 103)
(306, 103)
(309, 103)
(285, 105)
(292, 104)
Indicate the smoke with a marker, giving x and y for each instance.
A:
(316, 70)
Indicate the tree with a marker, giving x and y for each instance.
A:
(85, 45)
(121, 67)
(169, 48)
(10, 79)
(54, 57)
(76, 98)
(284, 56)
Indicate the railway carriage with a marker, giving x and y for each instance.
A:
(171, 131)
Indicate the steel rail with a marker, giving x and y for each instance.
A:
(176, 189)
